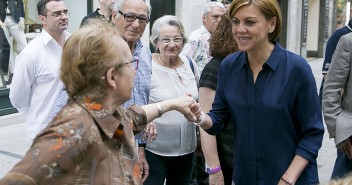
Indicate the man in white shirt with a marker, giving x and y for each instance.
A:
(36, 89)
(197, 46)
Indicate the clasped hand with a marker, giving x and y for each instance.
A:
(2, 25)
(189, 108)
(347, 148)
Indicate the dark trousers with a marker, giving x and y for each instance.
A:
(176, 170)
(227, 173)
(199, 175)
(342, 166)
(5, 52)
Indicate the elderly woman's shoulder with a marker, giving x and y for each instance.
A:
(70, 121)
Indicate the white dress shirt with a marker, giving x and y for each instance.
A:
(36, 84)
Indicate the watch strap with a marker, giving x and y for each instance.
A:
(213, 170)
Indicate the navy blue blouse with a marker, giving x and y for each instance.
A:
(275, 118)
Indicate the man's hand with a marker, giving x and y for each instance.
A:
(21, 24)
(143, 164)
(216, 178)
(2, 25)
(347, 148)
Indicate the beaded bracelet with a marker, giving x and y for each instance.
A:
(202, 120)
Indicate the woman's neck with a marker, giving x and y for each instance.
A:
(172, 63)
(259, 56)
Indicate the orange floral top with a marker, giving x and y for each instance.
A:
(82, 145)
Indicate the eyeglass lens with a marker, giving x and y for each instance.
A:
(60, 13)
(176, 40)
(131, 17)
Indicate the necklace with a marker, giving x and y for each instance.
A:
(162, 63)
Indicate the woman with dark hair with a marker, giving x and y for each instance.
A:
(218, 151)
(270, 95)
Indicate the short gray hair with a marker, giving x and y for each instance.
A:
(166, 20)
(212, 4)
(119, 4)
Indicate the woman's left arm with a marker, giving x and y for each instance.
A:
(293, 172)
(308, 118)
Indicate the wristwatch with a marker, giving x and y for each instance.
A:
(213, 170)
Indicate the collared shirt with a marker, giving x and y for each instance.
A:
(332, 43)
(95, 15)
(141, 87)
(275, 118)
(80, 148)
(36, 84)
(197, 47)
(176, 135)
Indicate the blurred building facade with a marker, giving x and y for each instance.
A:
(307, 24)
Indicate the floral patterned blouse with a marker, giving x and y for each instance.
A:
(83, 145)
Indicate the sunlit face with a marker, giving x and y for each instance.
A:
(170, 41)
(131, 31)
(251, 29)
(53, 21)
(211, 20)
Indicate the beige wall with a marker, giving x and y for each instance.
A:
(294, 26)
(313, 25)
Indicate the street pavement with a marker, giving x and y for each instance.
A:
(14, 143)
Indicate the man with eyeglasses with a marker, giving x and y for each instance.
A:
(197, 46)
(103, 13)
(36, 89)
(130, 18)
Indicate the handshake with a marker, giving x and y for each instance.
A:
(184, 104)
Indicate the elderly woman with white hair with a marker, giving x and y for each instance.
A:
(173, 75)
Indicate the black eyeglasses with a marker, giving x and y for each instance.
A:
(134, 63)
(60, 13)
(131, 17)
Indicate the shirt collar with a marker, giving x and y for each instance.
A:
(47, 37)
(205, 30)
(139, 46)
(274, 58)
(110, 123)
(107, 121)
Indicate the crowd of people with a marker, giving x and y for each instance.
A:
(101, 108)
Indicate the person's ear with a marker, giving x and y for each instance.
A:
(111, 78)
(113, 17)
(42, 19)
(273, 22)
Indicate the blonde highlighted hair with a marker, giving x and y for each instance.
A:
(86, 57)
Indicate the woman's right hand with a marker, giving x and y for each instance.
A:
(188, 107)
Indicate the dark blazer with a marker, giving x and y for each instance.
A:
(16, 9)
